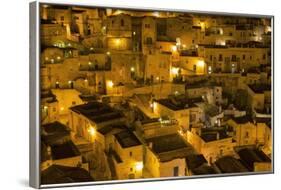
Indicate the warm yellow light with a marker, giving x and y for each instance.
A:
(58, 57)
(156, 14)
(200, 63)
(52, 60)
(117, 41)
(110, 84)
(62, 108)
(108, 53)
(90, 63)
(139, 166)
(174, 48)
(45, 107)
(46, 58)
(134, 33)
(202, 24)
(132, 69)
(85, 80)
(180, 132)
(157, 78)
(175, 70)
(69, 82)
(91, 48)
(92, 131)
(57, 82)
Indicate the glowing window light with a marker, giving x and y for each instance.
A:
(110, 84)
(57, 82)
(174, 48)
(92, 131)
(175, 70)
(157, 78)
(52, 60)
(108, 53)
(89, 63)
(58, 57)
(46, 58)
(62, 108)
(45, 107)
(132, 69)
(139, 166)
(134, 33)
(200, 63)
(69, 82)
(117, 41)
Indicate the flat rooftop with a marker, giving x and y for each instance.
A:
(243, 119)
(65, 150)
(179, 103)
(97, 112)
(56, 174)
(109, 128)
(249, 156)
(229, 164)
(213, 134)
(54, 131)
(170, 147)
(127, 139)
(195, 160)
(260, 88)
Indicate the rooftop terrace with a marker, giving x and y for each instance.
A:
(170, 147)
(179, 103)
(97, 112)
(127, 139)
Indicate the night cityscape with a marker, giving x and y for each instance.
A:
(132, 94)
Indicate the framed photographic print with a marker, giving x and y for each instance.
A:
(128, 94)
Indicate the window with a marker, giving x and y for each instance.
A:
(194, 68)
(247, 134)
(211, 57)
(54, 109)
(149, 40)
(147, 25)
(122, 22)
(263, 56)
(131, 154)
(230, 33)
(250, 57)
(62, 18)
(73, 103)
(220, 57)
(233, 58)
(244, 57)
(176, 171)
